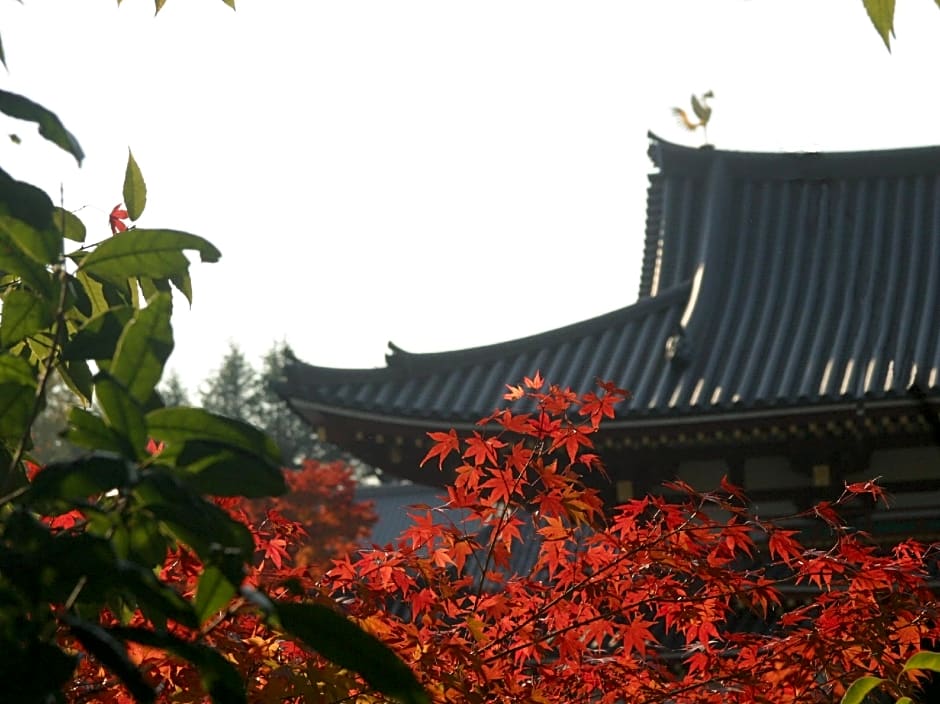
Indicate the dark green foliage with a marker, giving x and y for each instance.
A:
(338, 639)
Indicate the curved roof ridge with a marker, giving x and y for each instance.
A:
(797, 164)
(403, 363)
(414, 361)
(867, 153)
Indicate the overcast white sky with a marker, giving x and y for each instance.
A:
(440, 174)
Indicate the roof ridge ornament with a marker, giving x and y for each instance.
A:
(701, 110)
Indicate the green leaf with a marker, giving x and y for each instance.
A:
(924, 660)
(15, 261)
(3, 58)
(181, 425)
(25, 202)
(98, 337)
(43, 246)
(79, 479)
(230, 3)
(859, 690)
(183, 285)
(215, 537)
(340, 640)
(153, 253)
(17, 396)
(23, 314)
(50, 126)
(89, 430)
(40, 346)
(135, 190)
(156, 600)
(68, 224)
(225, 472)
(881, 14)
(219, 677)
(112, 653)
(904, 700)
(77, 298)
(94, 291)
(143, 348)
(77, 376)
(151, 287)
(212, 594)
(123, 414)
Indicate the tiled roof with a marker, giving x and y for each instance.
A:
(770, 282)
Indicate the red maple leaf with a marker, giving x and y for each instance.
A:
(535, 382)
(598, 407)
(870, 487)
(444, 444)
(514, 393)
(32, 469)
(116, 218)
(481, 449)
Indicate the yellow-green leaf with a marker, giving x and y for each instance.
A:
(24, 313)
(859, 690)
(345, 643)
(68, 225)
(123, 415)
(43, 247)
(183, 425)
(212, 594)
(153, 253)
(135, 190)
(881, 14)
(13, 260)
(143, 348)
(17, 393)
(924, 660)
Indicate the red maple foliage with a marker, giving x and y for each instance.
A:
(295, 537)
(523, 587)
(520, 587)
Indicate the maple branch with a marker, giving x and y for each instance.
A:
(567, 592)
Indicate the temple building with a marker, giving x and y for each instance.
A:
(786, 334)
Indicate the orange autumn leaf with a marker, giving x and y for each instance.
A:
(444, 444)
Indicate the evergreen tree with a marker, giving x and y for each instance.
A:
(173, 392)
(295, 438)
(238, 391)
(235, 389)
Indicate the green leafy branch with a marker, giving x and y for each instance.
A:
(924, 661)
